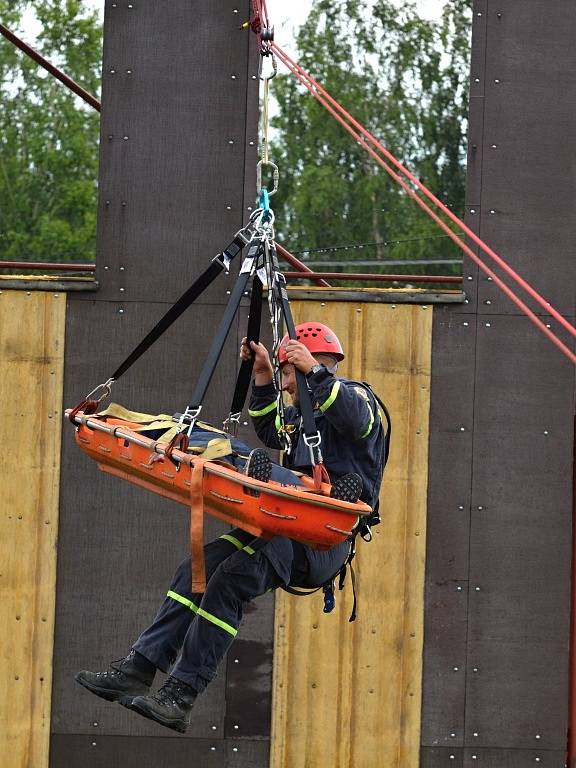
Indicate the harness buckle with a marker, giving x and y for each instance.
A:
(231, 423)
(313, 444)
(329, 598)
(188, 417)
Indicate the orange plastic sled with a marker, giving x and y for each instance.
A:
(263, 509)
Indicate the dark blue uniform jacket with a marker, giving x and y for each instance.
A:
(350, 425)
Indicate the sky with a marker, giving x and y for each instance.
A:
(286, 16)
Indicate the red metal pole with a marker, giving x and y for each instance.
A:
(48, 266)
(375, 278)
(39, 59)
(294, 262)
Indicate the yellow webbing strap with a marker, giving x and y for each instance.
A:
(117, 411)
(215, 449)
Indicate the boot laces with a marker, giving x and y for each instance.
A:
(115, 668)
(173, 692)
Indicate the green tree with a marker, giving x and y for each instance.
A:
(405, 79)
(48, 136)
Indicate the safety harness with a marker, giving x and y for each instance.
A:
(363, 529)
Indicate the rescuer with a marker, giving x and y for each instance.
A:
(191, 632)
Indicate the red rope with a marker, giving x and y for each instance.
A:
(312, 85)
(264, 12)
(360, 134)
(260, 22)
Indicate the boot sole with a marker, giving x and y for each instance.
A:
(347, 488)
(106, 693)
(129, 703)
(259, 466)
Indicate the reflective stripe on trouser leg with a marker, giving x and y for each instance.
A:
(236, 581)
(162, 640)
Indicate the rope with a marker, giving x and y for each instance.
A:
(316, 89)
(373, 146)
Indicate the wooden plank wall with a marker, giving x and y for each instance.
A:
(349, 695)
(31, 376)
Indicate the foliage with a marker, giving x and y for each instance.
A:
(48, 136)
(405, 79)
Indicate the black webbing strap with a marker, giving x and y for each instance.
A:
(252, 334)
(304, 396)
(388, 422)
(225, 324)
(206, 278)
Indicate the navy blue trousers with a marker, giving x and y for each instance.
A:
(192, 632)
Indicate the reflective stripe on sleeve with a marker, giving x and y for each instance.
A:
(332, 396)
(268, 409)
(237, 543)
(370, 423)
(204, 614)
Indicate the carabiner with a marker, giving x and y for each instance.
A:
(107, 387)
(275, 177)
(263, 56)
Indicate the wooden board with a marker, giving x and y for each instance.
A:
(31, 375)
(350, 694)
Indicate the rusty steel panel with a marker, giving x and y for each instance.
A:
(520, 544)
(475, 154)
(476, 105)
(448, 531)
(177, 177)
(178, 155)
(99, 338)
(452, 421)
(445, 650)
(440, 757)
(248, 674)
(529, 122)
(511, 551)
(93, 751)
(513, 758)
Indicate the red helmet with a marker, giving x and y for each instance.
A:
(318, 340)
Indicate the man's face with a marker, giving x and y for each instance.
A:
(289, 382)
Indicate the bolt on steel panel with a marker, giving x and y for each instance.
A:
(440, 757)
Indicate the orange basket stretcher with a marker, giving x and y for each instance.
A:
(216, 487)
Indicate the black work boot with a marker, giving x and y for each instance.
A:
(259, 465)
(130, 676)
(170, 706)
(347, 488)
